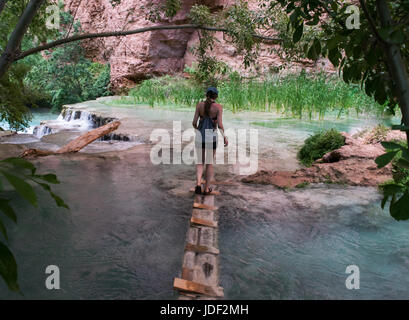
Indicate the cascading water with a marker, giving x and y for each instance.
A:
(69, 119)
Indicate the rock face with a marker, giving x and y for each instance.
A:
(352, 164)
(136, 57)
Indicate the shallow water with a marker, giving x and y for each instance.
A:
(116, 242)
(278, 244)
(124, 235)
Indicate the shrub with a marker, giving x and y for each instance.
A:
(319, 144)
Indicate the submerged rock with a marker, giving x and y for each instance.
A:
(352, 164)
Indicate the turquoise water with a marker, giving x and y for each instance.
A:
(297, 244)
(38, 115)
(124, 235)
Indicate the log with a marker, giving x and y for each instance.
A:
(76, 144)
(85, 139)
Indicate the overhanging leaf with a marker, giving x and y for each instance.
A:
(298, 33)
(21, 163)
(388, 145)
(7, 209)
(22, 187)
(3, 230)
(400, 209)
(384, 159)
(8, 268)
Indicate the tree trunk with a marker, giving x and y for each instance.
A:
(396, 65)
(84, 140)
(76, 144)
(13, 45)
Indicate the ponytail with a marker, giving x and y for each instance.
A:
(208, 102)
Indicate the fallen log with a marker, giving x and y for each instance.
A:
(76, 144)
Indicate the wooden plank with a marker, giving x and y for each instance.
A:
(213, 193)
(201, 249)
(203, 222)
(203, 206)
(190, 286)
(187, 273)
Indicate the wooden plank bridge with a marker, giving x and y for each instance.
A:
(200, 269)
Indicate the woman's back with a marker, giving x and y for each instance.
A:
(213, 111)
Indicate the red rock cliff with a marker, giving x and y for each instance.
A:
(141, 56)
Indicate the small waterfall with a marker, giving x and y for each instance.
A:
(78, 120)
(69, 119)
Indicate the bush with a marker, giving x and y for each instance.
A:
(68, 77)
(319, 144)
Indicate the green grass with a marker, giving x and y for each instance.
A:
(294, 95)
(318, 145)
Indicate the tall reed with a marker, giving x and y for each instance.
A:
(297, 95)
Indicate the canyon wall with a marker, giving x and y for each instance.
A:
(137, 57)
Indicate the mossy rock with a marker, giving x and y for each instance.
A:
(319, 144)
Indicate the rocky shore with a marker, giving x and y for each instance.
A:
(352, 164)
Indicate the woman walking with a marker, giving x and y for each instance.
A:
(210, 114)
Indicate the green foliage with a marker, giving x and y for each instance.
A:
(68, 77)
(397, 191)
(19, 174)
(160, 10)
(358, 53)
(319, 144)
(15, 95)
(296, 95)
(165, 90)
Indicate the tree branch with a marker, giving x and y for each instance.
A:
(131, 32)
(371, 21)
(13, 45)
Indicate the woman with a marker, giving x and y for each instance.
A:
(210, 114)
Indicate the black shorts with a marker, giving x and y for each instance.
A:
(214, 145)
(205, 145)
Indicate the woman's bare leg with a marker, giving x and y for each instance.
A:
(209, 173)
(199, 169)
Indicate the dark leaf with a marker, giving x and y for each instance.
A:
(298, 33)
(391, 145)
(3, 230)
(8, 268)
(7, 209)
(51, 178)
(21, 163)
(22, 187)
(384, 159)
(400, 209)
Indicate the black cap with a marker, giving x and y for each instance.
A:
(212, 90)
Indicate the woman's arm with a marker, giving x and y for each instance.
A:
(220, 125)
(196, 117)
